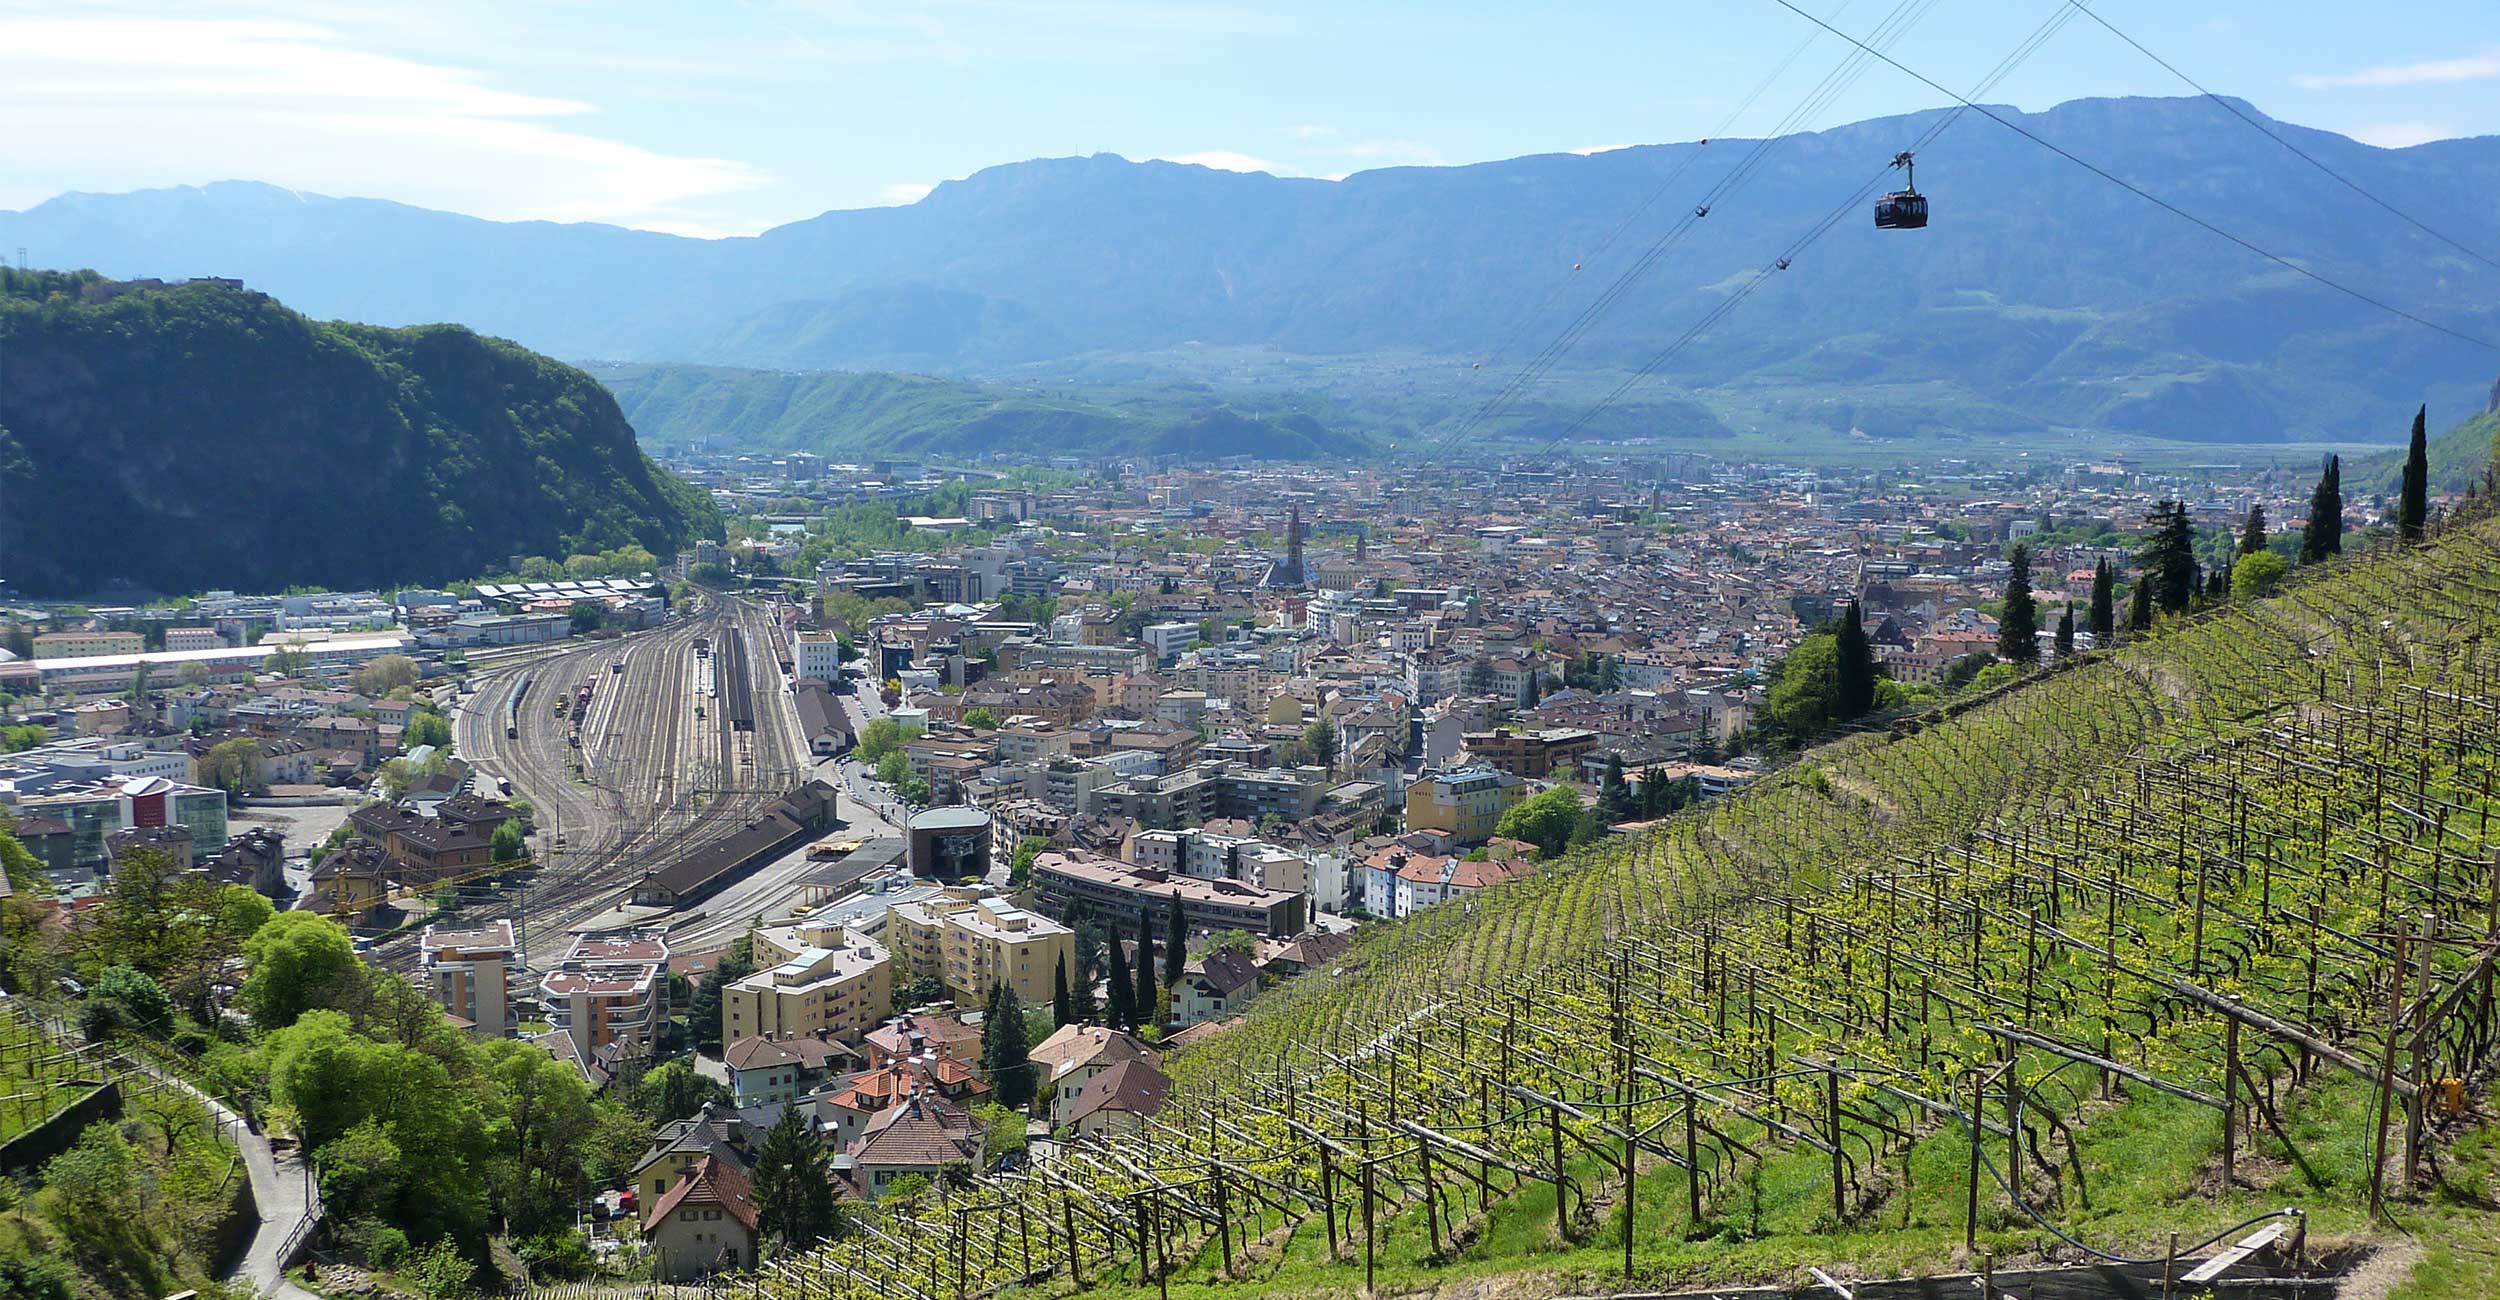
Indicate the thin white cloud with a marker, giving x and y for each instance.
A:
(2404, 135)
(1226, 160)
(107, 102)
(904, 193)
(1601, 148)
(2472, 67)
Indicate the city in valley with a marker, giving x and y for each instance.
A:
(1897, 697)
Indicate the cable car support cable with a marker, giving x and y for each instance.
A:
(2148, 196)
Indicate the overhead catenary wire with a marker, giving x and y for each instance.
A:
(2266, 130)
(2147, 195)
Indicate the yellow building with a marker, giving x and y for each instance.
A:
(833, 983)
(973, 940)
(84, 645)
(1467, 802)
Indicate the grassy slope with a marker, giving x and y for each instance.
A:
(2009, 759)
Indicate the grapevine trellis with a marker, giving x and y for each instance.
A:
(2257, 848)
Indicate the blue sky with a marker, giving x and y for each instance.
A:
(717, 118)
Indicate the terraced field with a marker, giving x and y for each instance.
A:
(2185, 938)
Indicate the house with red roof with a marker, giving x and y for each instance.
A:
(706, 1223)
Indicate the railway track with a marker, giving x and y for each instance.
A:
(660, 771)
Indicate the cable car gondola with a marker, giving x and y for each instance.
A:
(1904, 209)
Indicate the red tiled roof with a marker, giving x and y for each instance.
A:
(711, 1183)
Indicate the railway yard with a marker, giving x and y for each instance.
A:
(648, 755)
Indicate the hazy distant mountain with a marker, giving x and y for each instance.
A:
(2041, 295)
(837, 412)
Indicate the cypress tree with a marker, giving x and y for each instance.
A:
(2104, 615)
(2323, 535)
(1175, 942)
(2140, 607)
(989, 1033)
(2253, 532)
(2018, 628)
(2413, 505)
(1062, 1005)
(1142, 1000)
(1005, 1055)
(2066, 632)
(1856, 679)
(1123, 1012)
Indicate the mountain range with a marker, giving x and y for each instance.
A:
(2041, 297)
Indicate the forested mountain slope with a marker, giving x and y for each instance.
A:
(195, 436)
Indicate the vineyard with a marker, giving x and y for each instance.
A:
(37, 1077)
(2172, 943)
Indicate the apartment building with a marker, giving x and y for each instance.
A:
(83, 645)
(973, 940)
(469, 972)
(1537, 754)
(840, 984)
(1109, 887)
(817, 656)
(610, 992)
(1467, 802)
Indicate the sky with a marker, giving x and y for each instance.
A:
(721, 118)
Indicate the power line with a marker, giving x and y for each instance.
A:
(2269, 132)
(2146, 195)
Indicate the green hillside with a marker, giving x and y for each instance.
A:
(859, 413)
(197, 435)
(2459, 457)
(2129, 923)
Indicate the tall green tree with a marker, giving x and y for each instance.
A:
(1122, 1005)
(2103, 620)
(1804, 696)
(1615, 802)
(2323, 535)
(794, 1182)
(2168, 560)
(2413, 500)
(299, 961)
(2253, 530)
(1143, 1000)
(1175, 941)
(2018, 626)
(2066, 632)
(1005, 1053)
(1855, 657)
(1062, 1004)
